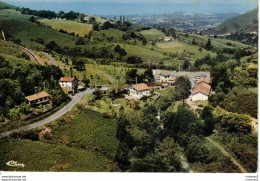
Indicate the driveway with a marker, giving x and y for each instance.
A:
(56, 115)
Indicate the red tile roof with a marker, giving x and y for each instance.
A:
(67, 79)
(203, 88)
(140, 87)
(37, 96)
(166, 74)
(203, 80)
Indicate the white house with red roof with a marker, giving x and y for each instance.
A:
(201, 91)
(37, 98)
(164, 77)
(137, 91)
(68, 83)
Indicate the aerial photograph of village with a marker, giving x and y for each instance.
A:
(129, 86)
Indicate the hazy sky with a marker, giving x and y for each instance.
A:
(142, 1)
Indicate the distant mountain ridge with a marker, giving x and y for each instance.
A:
(246, 23)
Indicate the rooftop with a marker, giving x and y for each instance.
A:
(37, 96)
(166, 74)
(140, 87)
(67, 79)
(173, 78)
(203, 80)
(203, 88)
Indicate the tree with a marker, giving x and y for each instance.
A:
(194, 42)
(183, 86)
(120, 50)
(80, 41)
(107, 25)
(32, 19)
(209, 121)
(131, 75)
(96, 27)
(236, 123)
(86, 81)
(53, 46)
(148, 74)
(97, 94)
(208, 45)
(112, 94)
(172, 32)
(134, 60)
(144, 41)
(186, 65)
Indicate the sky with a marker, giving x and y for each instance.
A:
(133, 7)
(142, 1)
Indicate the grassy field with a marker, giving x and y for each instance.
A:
(153, 34)
(143, 52)
(81, 29)
(166, 45)
(19, 27)
(216, 43)
(94, 78)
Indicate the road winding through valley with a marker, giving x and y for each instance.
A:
(56, 115)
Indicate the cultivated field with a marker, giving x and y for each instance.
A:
(81, 29)
(171, 44)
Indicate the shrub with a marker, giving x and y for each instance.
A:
(237, 123)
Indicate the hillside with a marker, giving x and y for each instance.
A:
(247, 22)
(6, 6)
(70, 26)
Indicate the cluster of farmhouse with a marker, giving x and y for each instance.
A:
(201, 88)
(200, 91)
(67, 83)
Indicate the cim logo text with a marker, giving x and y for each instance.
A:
(14, 164)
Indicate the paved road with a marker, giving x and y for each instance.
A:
(49, 57)
(59, 113)
(227, 154)
(111, 79)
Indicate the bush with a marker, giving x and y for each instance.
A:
(80, 41)
(240, 100)
(237, 123)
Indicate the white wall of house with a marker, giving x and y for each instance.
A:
(164, 78)
(199, 97)
(39, 101)
(138, 94)
(66, 83)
